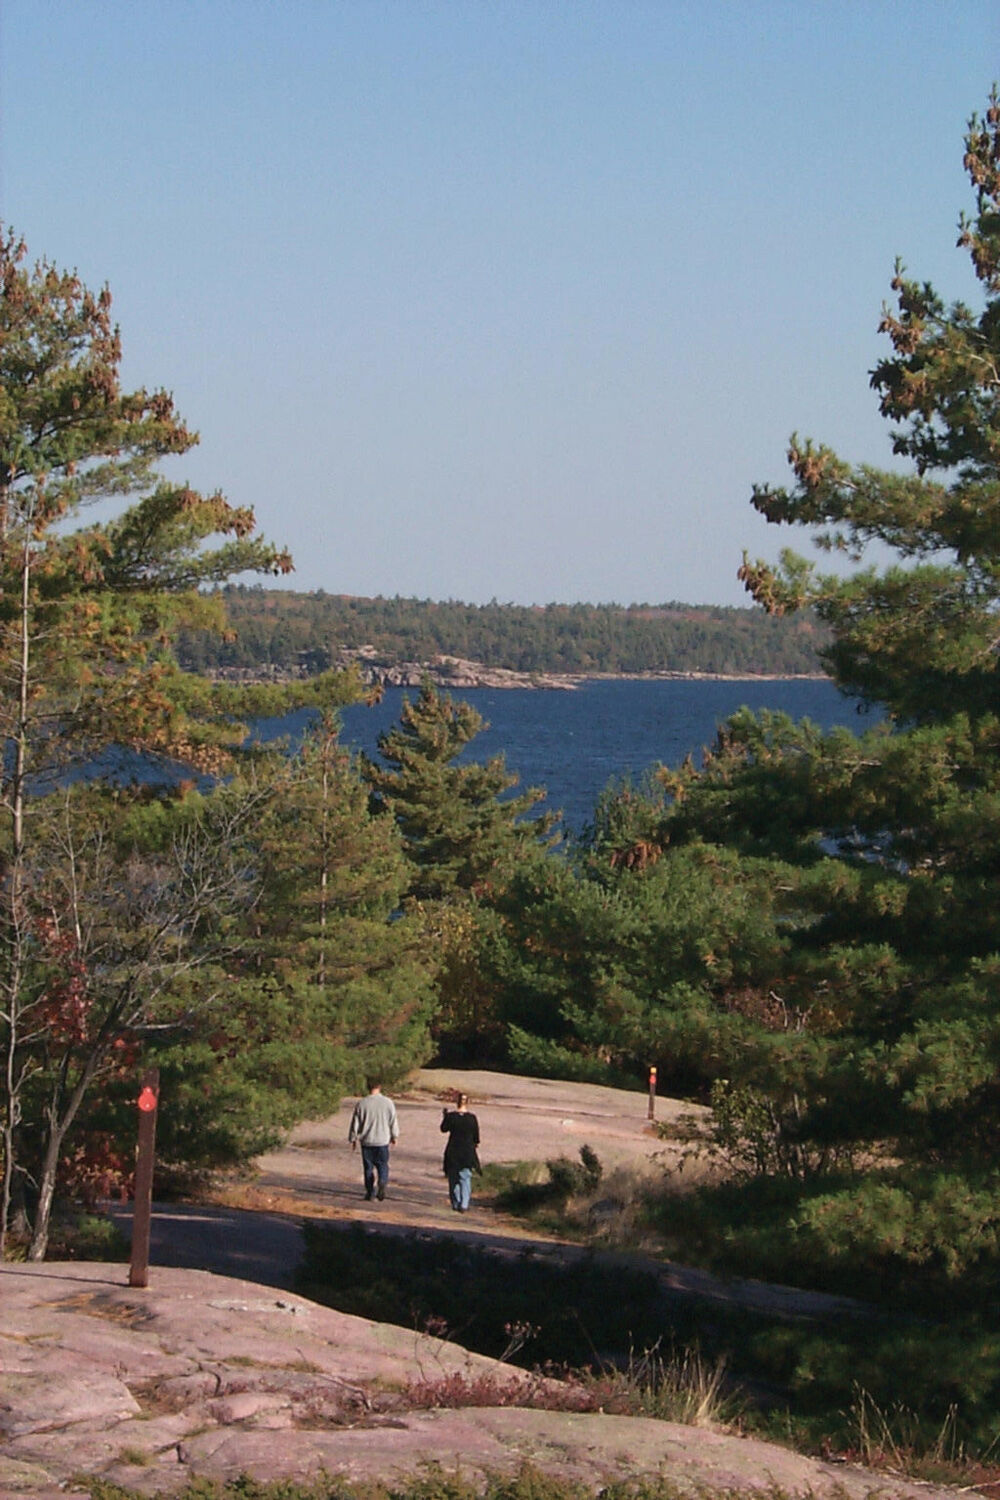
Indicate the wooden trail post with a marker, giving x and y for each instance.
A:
(652, 1094)
(149, 1098)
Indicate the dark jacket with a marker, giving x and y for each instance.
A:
(462, 1130)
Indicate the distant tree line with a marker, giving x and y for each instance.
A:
(275, 628)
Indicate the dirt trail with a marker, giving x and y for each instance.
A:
(520, 1119)
(315, 1175)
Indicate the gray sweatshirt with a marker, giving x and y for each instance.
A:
(374, 1122)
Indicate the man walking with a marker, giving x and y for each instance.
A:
(374, 1124)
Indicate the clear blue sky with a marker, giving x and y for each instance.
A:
(485, 299)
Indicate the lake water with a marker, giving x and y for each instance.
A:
(574, 743)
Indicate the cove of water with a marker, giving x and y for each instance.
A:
(574, 743)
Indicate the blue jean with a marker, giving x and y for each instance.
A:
(460, 1187)
(375, 1160)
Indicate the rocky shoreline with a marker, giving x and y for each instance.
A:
(460, 673)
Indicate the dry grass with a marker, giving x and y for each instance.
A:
(100, 1305)
(612, 1215)
(684, 1388)
(272, 1200)
(894, 1441)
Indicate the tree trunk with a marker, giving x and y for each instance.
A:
(38, 1248)
(15, 902)
(58, 1127)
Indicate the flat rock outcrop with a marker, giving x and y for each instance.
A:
(456, 672)
(206, 1376)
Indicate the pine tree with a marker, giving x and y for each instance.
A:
(921, 636)
(328, 926)
(891, 879)
(460, 831)
(87, 610)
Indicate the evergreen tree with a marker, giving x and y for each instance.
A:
(326, 981)
(607, 965)
(889, 840)
(837, 970)
(328, 930)
(87, 610)
(460, 832)
(921, 635)
(463, 838)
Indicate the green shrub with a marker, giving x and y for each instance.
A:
(540, 1057)
(521, 1191)
(77, 1235)
(571, 1179)
(434, 1482)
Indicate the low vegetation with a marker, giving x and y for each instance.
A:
(512, 1305)
(438, 1483)
(862, 1381)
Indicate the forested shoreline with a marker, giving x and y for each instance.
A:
(285, 631)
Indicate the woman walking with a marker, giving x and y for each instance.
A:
(461, 1158)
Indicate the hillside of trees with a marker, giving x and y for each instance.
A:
(283, 630)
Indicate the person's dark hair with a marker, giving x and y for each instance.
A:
(374, 1083)
(461, 1100)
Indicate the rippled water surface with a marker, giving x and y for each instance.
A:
(574, 743)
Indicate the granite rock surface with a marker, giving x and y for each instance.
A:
(201, 1375)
